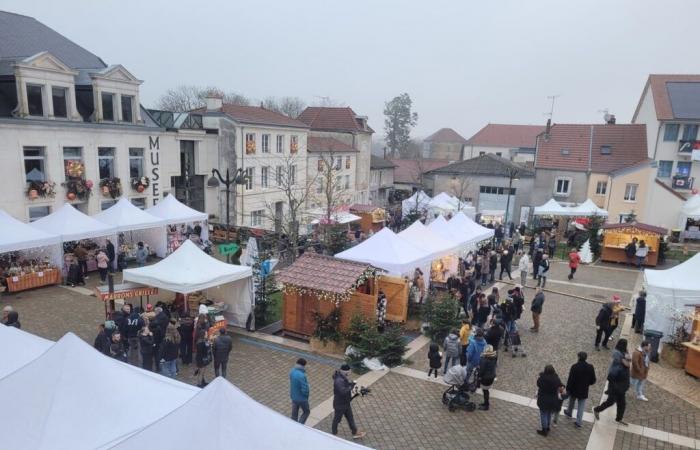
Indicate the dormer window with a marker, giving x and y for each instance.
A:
(565, 151)
(605, 150)
(35, 99)
(59, 97)
(107, 107)
(127, 111)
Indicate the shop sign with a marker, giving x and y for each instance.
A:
(154, 150)
(228, 249)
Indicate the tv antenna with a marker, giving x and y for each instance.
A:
(550, 114)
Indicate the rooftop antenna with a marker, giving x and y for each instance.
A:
(325, 100)
(607, 117)
(550, 114)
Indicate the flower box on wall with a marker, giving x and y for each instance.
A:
(43, 189)
(140, 184)
(111, 187)
(78, 188)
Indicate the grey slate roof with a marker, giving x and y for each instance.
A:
(23, 36)
(685, 99)
(488, 164)
(380, 163)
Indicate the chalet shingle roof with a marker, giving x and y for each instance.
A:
(641, 226)
(447, 135)
(334, 119)
(488, 164)
(316, 144)
(508, 136)
(323, 273)
(571, 146)
(380, 163)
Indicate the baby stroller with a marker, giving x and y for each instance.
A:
(457, 395)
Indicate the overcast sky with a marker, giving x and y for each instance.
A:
(464, 63)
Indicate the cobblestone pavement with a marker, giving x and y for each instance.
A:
(403, 413)
(618, 278)
(629, 441)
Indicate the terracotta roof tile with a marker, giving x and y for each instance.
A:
(408, 171)
(334, 119)
(510, 136)
(257, 115)
(662, 102)
(446, 135)
(323, 273)
(641, 226)
(316, 144)
(628, 146)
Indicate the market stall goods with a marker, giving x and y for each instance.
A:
(692, 362)
(618, 235)
(371, 217)
(31, 280)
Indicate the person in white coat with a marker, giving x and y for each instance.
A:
(523, 267)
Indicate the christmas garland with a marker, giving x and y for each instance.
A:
(337, 298)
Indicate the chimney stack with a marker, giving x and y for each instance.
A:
(611, 119)
(214, 101)
(547, 129)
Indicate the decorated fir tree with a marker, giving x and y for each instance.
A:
(585, 253)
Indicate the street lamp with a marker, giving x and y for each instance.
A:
(512, 173)
(239, 178)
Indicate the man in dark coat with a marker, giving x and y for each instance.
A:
(223, 344)
(536, 262)
(342, 396)
(494, 335)
(111, 254)
(493, 265)
(536, 309)
(506, 258)
(603, 328)
(581, 377)
(102, 340)
(466, 288)
(640, 311)
(186, 330)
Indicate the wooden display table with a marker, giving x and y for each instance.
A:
(33, 280)
(692, 361)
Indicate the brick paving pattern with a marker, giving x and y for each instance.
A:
(403, 413)
(630, 441)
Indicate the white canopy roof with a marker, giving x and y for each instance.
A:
(222, 417)
(424, 238)
(172, 211)
(72, 225)
(187, 269)
(441, 227)
(340, 217)
(17, 348)
(691, 208)
(73, 397)
(587, 208)
(551, 208)
(444, 201)
(387, 251)
(418, 201)
(474, 232)
(18, 235)
(668, 291)
(125, 216)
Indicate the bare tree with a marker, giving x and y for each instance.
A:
(187, 97)
(331, 189)
(459, 186)
(328, 102)
(289, 106)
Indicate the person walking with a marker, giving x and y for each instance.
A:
(111, 255)
(493, 265)
(640, 369)
(342, 396)
(548, 393)
(203, 347)
(435, 359)
(543, 271)
(299, 391)
(487, 374)
(523, 267)
(452, 350)
(102, 265)
(146, 347)
(640, 311)
(618, 383)
(574, 260)
(536, 309)
(536, 259)
(581, 377)
(82, 255)
(641, 253)
(221, 348)
(606, 322)
(477, 344)
(464, 339)
(506, 259)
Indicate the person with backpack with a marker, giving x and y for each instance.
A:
(487, 374)
(434, 359)
(618, 383)
(581, 378)
(299, 391)
(452, 349)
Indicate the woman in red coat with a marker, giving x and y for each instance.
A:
(574, 259)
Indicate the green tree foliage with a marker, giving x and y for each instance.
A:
(398, 121)
(368, 342)
(328, 327)
(442, 315)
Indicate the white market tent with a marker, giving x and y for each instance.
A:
(476, 233)
(72, 225)
(173, 212)
(18, 348)
(188, 269)
(417, 202)
(668, 291)
(441, 227)
(19, 236)
(127, 218)
(72, 397)
(587, 208)
(424, 238)
(442, 203)
(551, 208)
(388, 251)
(222, 417)
(689, 210)
(340, 217)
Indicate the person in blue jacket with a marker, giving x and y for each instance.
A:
(299, 391)
(476, 346)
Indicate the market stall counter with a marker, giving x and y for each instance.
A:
(618, 235)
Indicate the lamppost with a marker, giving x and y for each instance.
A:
(239, 178)
(512, 173)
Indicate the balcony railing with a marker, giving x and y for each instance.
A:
(687, 147)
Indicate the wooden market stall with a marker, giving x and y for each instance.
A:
(372, 217)
(317, 284)
(692, 361)
(618, 235)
